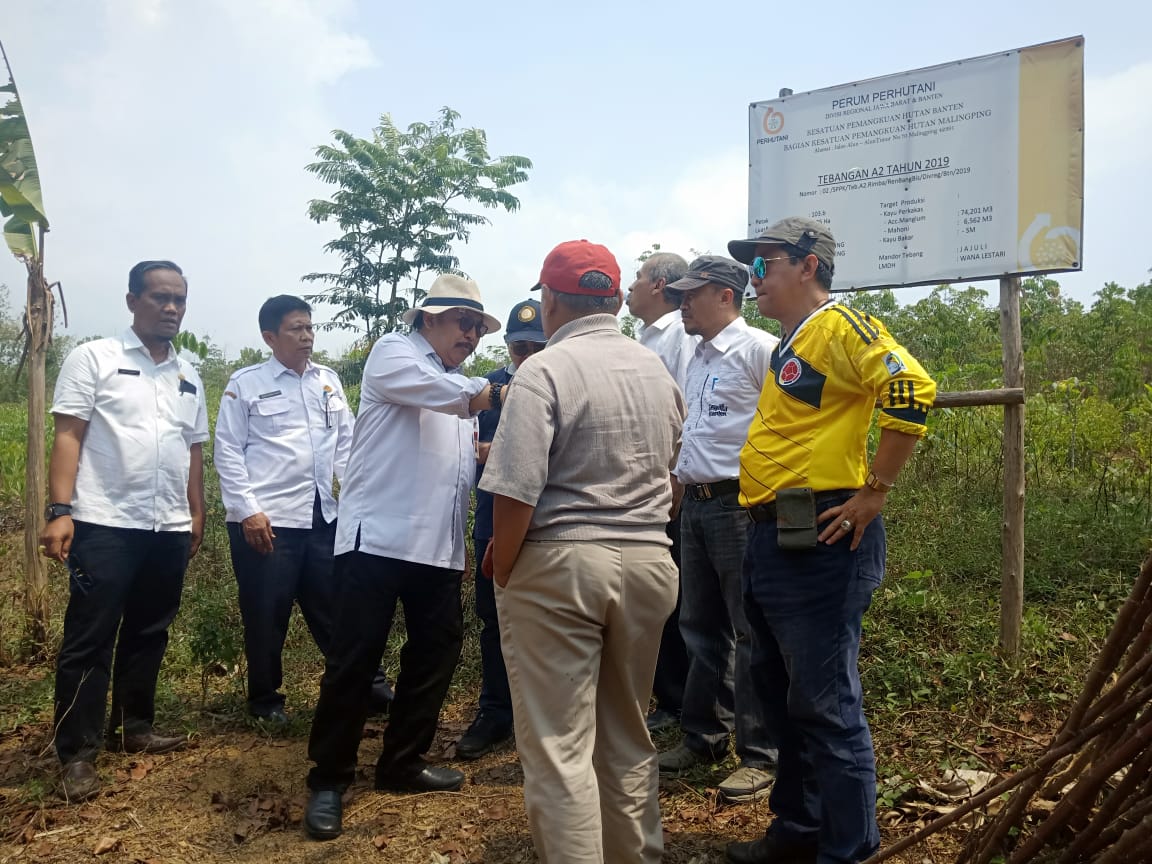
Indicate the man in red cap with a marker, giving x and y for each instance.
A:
(580, 474)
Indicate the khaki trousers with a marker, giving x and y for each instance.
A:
(580, 625)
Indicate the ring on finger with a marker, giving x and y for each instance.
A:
(846, 525)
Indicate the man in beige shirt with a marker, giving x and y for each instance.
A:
(579, 470)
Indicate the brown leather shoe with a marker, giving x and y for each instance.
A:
(148, 742)
(79, 781)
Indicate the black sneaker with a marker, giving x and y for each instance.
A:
(482, 737)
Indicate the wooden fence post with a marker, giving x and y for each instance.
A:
(1012, 535)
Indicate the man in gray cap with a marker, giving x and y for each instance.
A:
(492, 725)
(816, 549)
(725, 374)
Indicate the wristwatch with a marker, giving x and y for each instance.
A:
(55, 511)
(874, 482)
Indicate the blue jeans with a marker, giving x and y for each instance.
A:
(805, 609)
(718, 695)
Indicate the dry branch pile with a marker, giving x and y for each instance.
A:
(1088, 798)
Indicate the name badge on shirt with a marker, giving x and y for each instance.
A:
(269, 394)
(127, 371)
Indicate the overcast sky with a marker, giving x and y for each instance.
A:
(179, 128)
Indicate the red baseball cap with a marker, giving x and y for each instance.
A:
(580, 267)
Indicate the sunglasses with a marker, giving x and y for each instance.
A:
(523, 347)
(759, 265)
(468, 322)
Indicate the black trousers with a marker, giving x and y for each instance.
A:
(369, 588)
(298, 569)
(125, 580)
(495, 694)
(672, 661)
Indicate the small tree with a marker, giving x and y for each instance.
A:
(396, 204)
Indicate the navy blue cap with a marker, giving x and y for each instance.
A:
(525, 324)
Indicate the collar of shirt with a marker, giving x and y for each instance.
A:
(725, 339)
(582, 326)
(664, 321)
(132, 342)
(277, 368)
(425, 346)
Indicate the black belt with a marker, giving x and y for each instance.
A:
(707, 491)
(767, 512)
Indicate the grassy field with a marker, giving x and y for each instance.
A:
(939, 695)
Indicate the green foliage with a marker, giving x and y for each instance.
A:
(186, 340)
(397, 206)
(20, 198)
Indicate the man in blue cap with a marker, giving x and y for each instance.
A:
(524, 336)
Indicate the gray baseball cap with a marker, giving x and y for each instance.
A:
(714, 270)
(808, 235)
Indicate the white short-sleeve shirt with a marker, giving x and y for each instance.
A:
(142, 417)
(725, 377)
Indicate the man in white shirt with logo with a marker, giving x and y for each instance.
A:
(126, 484)
(725, 377)
(663, 333)
(283, 433)
(400, 538)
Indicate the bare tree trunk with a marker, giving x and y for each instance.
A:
(38, 320)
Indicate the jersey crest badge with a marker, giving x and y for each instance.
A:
(790, 372)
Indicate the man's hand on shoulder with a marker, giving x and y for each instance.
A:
(56, 538)
(257, 532)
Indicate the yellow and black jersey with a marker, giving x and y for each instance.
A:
(811, 423)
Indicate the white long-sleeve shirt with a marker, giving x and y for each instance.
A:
(667, 338)
(413, 461)
(725, 377)
(142, 417)
(281, 438)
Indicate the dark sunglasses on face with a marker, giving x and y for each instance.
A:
(759, 265)
(468, 322)
(523, 348)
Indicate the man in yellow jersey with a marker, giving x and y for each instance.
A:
(816, 550)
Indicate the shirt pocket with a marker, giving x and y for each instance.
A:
(270, 416)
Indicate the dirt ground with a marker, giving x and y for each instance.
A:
(237, 796)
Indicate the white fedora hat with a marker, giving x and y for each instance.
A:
(452, 292)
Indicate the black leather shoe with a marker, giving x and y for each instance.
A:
(148, 742)
(79, 781)
(434, 778)
(769, 849)
(272, 717)
(323, 815)
(482, 737)
(661, 720)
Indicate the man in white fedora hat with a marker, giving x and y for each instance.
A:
(400, 538)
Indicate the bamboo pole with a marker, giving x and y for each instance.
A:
(1012, 552)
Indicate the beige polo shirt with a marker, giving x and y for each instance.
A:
(589, 435)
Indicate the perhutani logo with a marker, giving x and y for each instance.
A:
(773, 122)
(790, 372)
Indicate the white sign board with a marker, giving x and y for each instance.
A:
(969, 170)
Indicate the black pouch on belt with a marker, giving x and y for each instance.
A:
(796, 519)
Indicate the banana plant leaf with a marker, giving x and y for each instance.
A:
(20, 199)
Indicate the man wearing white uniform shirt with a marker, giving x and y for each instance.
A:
(725, 377)
(400, 538)
(663, 333)
(283, 433)
(127, 485)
